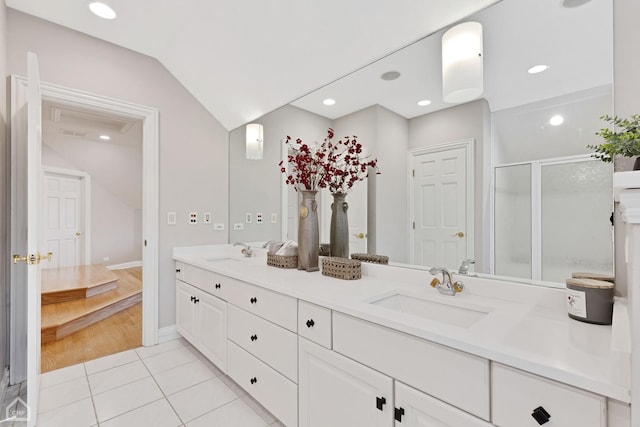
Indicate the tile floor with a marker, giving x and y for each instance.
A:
(168, 385)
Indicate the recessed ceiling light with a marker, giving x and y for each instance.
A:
(390, 75)
(104, 137)
(537, 69)
(102, 9)
(556, 120)
(424, 102)
(329, 101)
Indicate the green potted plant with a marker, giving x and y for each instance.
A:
(625, 141)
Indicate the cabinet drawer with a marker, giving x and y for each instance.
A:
(314, 323)
(275, 346)
(274, 391)
(457, 378)
(273, 306)
(516, 395)
(206, 280)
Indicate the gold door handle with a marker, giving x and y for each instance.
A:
(359, 235)
(78, 233)
(32, 259)
(458, 234)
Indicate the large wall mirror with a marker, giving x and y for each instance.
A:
(493, 179)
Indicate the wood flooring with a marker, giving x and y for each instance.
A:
(69, 283)
(118, 332)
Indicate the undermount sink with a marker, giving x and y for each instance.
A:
(442, 312)
(221, 258)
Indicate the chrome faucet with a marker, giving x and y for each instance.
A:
(464, 267)
(447, 286)
(246, 250)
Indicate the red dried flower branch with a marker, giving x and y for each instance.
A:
(334, 165)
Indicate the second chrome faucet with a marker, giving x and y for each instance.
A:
(447, 286)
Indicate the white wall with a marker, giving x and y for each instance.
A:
(5, 166)
(470, 120)
(193, 145)
(255, 185)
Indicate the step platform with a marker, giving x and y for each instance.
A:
(72, 283)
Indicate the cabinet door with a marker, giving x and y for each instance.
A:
(338, 392)
(416, 409)
(213, 329)
(186, 319)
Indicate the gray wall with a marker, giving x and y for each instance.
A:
(193, 145)
(4, 182)
(470, 120)
(255, 185)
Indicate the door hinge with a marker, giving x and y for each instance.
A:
(414, 225)
(413, 173)
(398, 413)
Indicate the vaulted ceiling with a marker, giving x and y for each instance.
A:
(244, 58)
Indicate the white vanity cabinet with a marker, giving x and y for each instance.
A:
(338, 392)
(202, 320)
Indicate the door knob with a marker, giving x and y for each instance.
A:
(78, 233)
(458, 234)
(32, 259)
(360, 235)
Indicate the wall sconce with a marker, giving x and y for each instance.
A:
(462, 64)
(254, 141)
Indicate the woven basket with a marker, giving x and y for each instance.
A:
(341, 268)
(282, 261)
(375, 259)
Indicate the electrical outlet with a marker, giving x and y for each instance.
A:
(106, 259)
(259, 218)
(248, 217)
(238, 226)
(171, 218)
(207, 218)
(218, 226)
(193, 218)
(274, 218)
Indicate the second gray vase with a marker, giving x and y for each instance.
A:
(308, 236)
(339, 232)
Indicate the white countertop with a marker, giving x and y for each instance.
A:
(526, 326)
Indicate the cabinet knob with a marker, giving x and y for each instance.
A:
(196, 300)
(380, 402)
(254, 337)
(217, 285)
(192, 298)
(253, 300)
(541, 415)
(398, 413)
(178, 270)
(253, 380)
(310, 323)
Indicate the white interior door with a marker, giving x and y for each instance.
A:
(64, 229)
(26, 205)
(442, 206)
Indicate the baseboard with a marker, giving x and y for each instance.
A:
(168, 333)
(125, 265)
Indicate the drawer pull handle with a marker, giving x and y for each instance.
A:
(178, 270)
(310, 323)
(398, 413)
(380, 401)
(254, 337)
(217, 285)
(196, 300)
(540, 415)
(253, 300)
(192, 298)
(253, 380)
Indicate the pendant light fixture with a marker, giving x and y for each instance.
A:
(254, 141)
(462, 63)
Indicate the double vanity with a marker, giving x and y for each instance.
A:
(389, 350)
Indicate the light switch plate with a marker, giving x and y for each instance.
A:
(171, 218)
(207, 218)
(248, 218)
(274, 218)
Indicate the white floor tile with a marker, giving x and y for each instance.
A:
(77, 414)
(119, 400)
(63, 375)
(201, 398)
(118, 376)
(155, 414)
(185, 376)
(170, 359)
(111, 361)
(260, 410)
(62, 394)
(145, 352)
(236, 413)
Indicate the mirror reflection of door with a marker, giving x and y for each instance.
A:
(442, 209)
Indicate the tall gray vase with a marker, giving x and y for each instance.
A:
(339, 233)
(308, 238)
